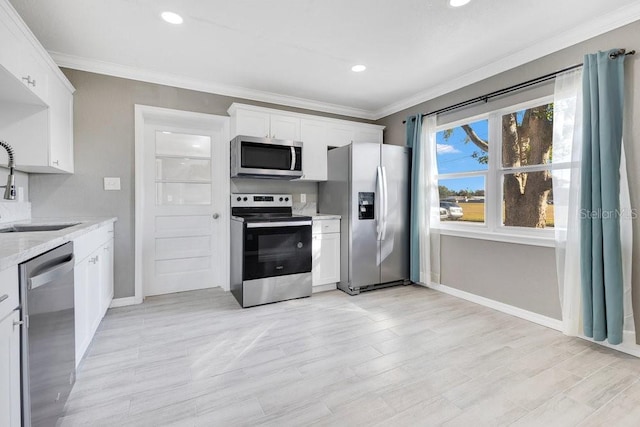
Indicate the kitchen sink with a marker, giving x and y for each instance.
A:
(21, 228)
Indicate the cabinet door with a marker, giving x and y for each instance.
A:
(252, 123)
(10, 371)
(35, 73)
(285, 127)
(19, 58)
(106, 277)
(93, 291)
(339, 135)
(368, 135)
(81, 302)
(314, 150)
(326, 259)
(87, 302)
(61, 128)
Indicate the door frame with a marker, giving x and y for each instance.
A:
(143, 115)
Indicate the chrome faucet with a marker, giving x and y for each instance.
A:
(10, 188)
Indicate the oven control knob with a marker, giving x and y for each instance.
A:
(286, 199)
(239, 198)
(280, 198)
(245, 199)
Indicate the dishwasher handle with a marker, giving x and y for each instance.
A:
(52, 274)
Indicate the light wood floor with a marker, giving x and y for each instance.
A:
(398, 356)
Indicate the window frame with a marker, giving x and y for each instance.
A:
(493, 227)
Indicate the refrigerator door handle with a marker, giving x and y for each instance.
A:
(385, 205)
(379, 202)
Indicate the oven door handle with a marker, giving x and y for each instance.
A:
(277, 224)
(293, 159)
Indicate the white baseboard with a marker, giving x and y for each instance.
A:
(628, 346)
(123, 302)
(549, 322)
(324, 288)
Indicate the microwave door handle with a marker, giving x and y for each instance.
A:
(293, 159)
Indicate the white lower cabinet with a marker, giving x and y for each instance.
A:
(325, 268)
(106, 276)
(93, 284)
(10, 370)
(10, 414)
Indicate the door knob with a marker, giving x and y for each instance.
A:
(216, 216)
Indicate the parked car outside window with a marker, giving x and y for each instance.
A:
(443, 214)
(453, 210)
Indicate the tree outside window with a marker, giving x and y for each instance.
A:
(521, 173)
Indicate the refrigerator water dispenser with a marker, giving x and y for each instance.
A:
(366, 203)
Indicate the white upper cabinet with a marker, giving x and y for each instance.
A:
(363, 134)
(285, 127)
(313, 133)
(265, 125)
(36, 100)
(317, 133)
(339, 134)
(251, 123)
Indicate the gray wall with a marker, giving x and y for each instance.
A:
(510, 278)
(104, 146)
(482, 268)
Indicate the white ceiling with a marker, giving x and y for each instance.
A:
(299, 52)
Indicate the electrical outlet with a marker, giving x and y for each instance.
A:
(112, 183)
(303, 198)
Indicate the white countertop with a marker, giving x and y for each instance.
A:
(320, 216)
(20, 246)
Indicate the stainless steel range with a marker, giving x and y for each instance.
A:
(270, 249)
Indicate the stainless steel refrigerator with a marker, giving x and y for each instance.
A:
(369, 186)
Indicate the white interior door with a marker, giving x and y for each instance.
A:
(185, 203)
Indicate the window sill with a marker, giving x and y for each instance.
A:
(520, 239)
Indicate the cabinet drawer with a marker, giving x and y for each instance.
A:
(326, 226)
(9, 287)
(83, 246)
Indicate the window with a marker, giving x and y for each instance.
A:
(462, 154)
(494, 171)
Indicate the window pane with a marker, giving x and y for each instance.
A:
(463, 148)
(527, 200)
(462, 199)
(183, 169)
(182, 144)
(526, 136)
(183, 194)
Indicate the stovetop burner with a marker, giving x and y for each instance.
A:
(264, 208)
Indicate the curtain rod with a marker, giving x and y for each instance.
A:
(523, 85)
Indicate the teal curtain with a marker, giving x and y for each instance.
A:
(414, 128)
(601, 251)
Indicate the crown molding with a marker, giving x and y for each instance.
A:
(575, 35)
(168, 79)
(593, 28)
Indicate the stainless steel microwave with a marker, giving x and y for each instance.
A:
(254, 157)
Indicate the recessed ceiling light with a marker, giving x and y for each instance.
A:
(458, 3)
(171, 17)
(358, 68)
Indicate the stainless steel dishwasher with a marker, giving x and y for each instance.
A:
(48, 335)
